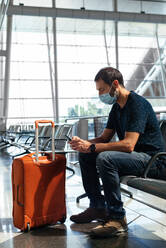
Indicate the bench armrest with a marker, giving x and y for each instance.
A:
(151, 161)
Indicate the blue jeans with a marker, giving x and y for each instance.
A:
(109, 166)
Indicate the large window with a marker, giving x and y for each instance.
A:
(83, 47)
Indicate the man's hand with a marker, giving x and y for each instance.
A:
(80, 145)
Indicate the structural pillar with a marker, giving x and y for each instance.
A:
(116, 36)
(55, 66)
(7, 66)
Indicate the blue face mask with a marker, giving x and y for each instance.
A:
(107, 99)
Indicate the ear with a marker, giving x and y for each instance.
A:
(115, 83)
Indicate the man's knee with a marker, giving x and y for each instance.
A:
(105, 161)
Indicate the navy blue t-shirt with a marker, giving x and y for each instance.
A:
(137, 116)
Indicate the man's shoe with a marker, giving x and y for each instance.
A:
(89, 215)
(110, 228)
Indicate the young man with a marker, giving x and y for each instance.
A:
(135, 123)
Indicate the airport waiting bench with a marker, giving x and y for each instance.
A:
(154, 186)
(149, 183)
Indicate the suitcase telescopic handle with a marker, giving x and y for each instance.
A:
(37, 137)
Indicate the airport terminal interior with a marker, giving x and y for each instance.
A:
(50, 52)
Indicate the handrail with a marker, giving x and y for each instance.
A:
(84, 117)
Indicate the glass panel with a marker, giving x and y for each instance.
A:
(30, 108)
(39, 3)
(135, 29)
(139, 58)
(99, 5)
(70, 4)
(32, 24)
(29, 70)
(30, 89)
(80, 26)
(78, 71)
(82, 107)
(128, 6)
(154, 7)
(78, 4)
(148, 7)
(77, 89)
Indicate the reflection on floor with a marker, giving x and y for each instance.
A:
(147, 227)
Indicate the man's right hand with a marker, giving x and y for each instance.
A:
(79, 144)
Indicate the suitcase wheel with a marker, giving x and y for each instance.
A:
(28, 228)
(62, 220)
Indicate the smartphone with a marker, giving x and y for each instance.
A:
(69, 139)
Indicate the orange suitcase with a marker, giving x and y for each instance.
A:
(38, 185)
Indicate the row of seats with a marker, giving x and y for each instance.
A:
(26, 141)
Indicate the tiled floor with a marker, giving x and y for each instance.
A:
(147, 226)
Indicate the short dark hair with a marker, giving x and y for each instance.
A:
(108, 75)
